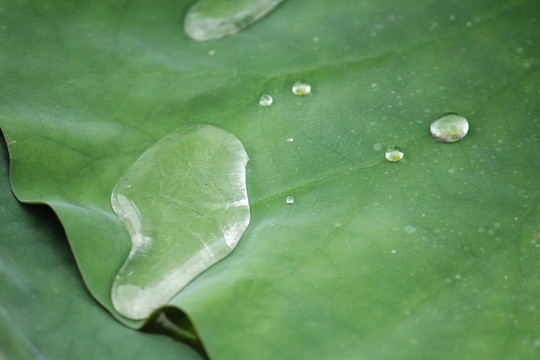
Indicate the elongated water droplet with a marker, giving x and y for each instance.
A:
(289, 200)
(184, 204)
(393, 154)
(301, 88)
(213, 19)
(265, 100)
(449, 128)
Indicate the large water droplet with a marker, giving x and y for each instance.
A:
(213, 19)
(393, 154)
(301, 88)
(265, 100)
(184, 203)
(449, 128)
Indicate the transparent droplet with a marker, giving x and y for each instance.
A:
(213, 19)
(409, 229)
(290, 140)
(266, 100)
(184, 204)
(289, 200)
(393, 154)
(301, 88)
(449, 128)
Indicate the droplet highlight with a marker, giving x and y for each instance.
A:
(449, 128)
(301, 88)
(266, 100)
(289, 200)
(184, 204)
(393, 154)
(213, 19)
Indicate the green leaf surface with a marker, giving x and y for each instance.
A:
(45, 310)
(434, 256)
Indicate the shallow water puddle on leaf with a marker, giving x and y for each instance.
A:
(213, 19)
(184, 203)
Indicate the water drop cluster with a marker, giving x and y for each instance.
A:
(448, 128)
(298, 88)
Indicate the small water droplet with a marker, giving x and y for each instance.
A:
(212, 52)
(301, 88)
(289, 200)
(377, 147)
(449, 128)
(409, 229)
(393, 251)
(393, 154)
(290, 140)
(265, 100)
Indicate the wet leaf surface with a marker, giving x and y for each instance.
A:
(434, 256)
